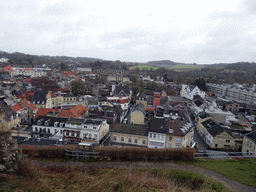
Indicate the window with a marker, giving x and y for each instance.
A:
(72, 134)
(227, 141)
(85, 127)
(247, 143)
(178, 140)
(55, 130)
(114, 138)
(122, 139)
(95, 136)
(154, 136)
(170, 130)
(49, 131)
(250, 145)
(144, 142)
(170, 138)
(150, 135)
(169, 145)
(61, 131)
(129, 140)
(40, 130)
(94, 127)
(216, 145)
(67, 133)
(90, 135)
(226, 146)
(36, 129)
(177, 146)
(135, 141)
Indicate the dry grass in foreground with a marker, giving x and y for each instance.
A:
(48, 179)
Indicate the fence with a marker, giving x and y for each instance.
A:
(223, 155)
(81, 154)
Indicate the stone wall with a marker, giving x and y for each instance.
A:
(10, 154)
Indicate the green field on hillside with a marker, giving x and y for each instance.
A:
(144, 67)
(241, 170)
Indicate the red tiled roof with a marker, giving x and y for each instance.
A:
(43, 111)
(28, 104)
(176, 130)
(7, 68)
(28, 69)
(65, 113)
(28, 80)
(26, 94)
(16, 107)
(52, 94)
(67, 73)
(79, 110)
(156, 101)
(76, 111)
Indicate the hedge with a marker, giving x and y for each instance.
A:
(135, 153)
(121, 154)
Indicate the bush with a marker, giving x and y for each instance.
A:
(46, 151)
(135, 153)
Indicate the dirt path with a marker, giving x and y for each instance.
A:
(229, 183)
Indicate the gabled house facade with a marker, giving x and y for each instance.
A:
(249, 143)
(137, 115)
(157, 133)
(189, 91)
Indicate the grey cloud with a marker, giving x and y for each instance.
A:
(57, 10)
(250, 6)
(65, 39)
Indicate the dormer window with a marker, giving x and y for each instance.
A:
(170, 130)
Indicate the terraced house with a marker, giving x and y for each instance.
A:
(129, 135)
(73, 129)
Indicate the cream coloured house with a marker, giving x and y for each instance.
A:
(138, 115)
(129, 135)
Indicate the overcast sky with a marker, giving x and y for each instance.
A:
(200, 31)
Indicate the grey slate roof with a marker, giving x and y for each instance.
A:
(141, 96)
(129, 129)
(157, 125)
(122, 87)
(191, 87)
(51, 120)
(198, 102)
(92, 101)
(39, 97)
(252, 135)
(212, 127)
(140, 108)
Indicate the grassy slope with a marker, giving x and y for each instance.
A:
(241, 170)
(91, 179)
(144, 67)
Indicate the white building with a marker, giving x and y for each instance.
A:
(189, 91)
(74, 129)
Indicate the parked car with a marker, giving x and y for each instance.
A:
(244, 125)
